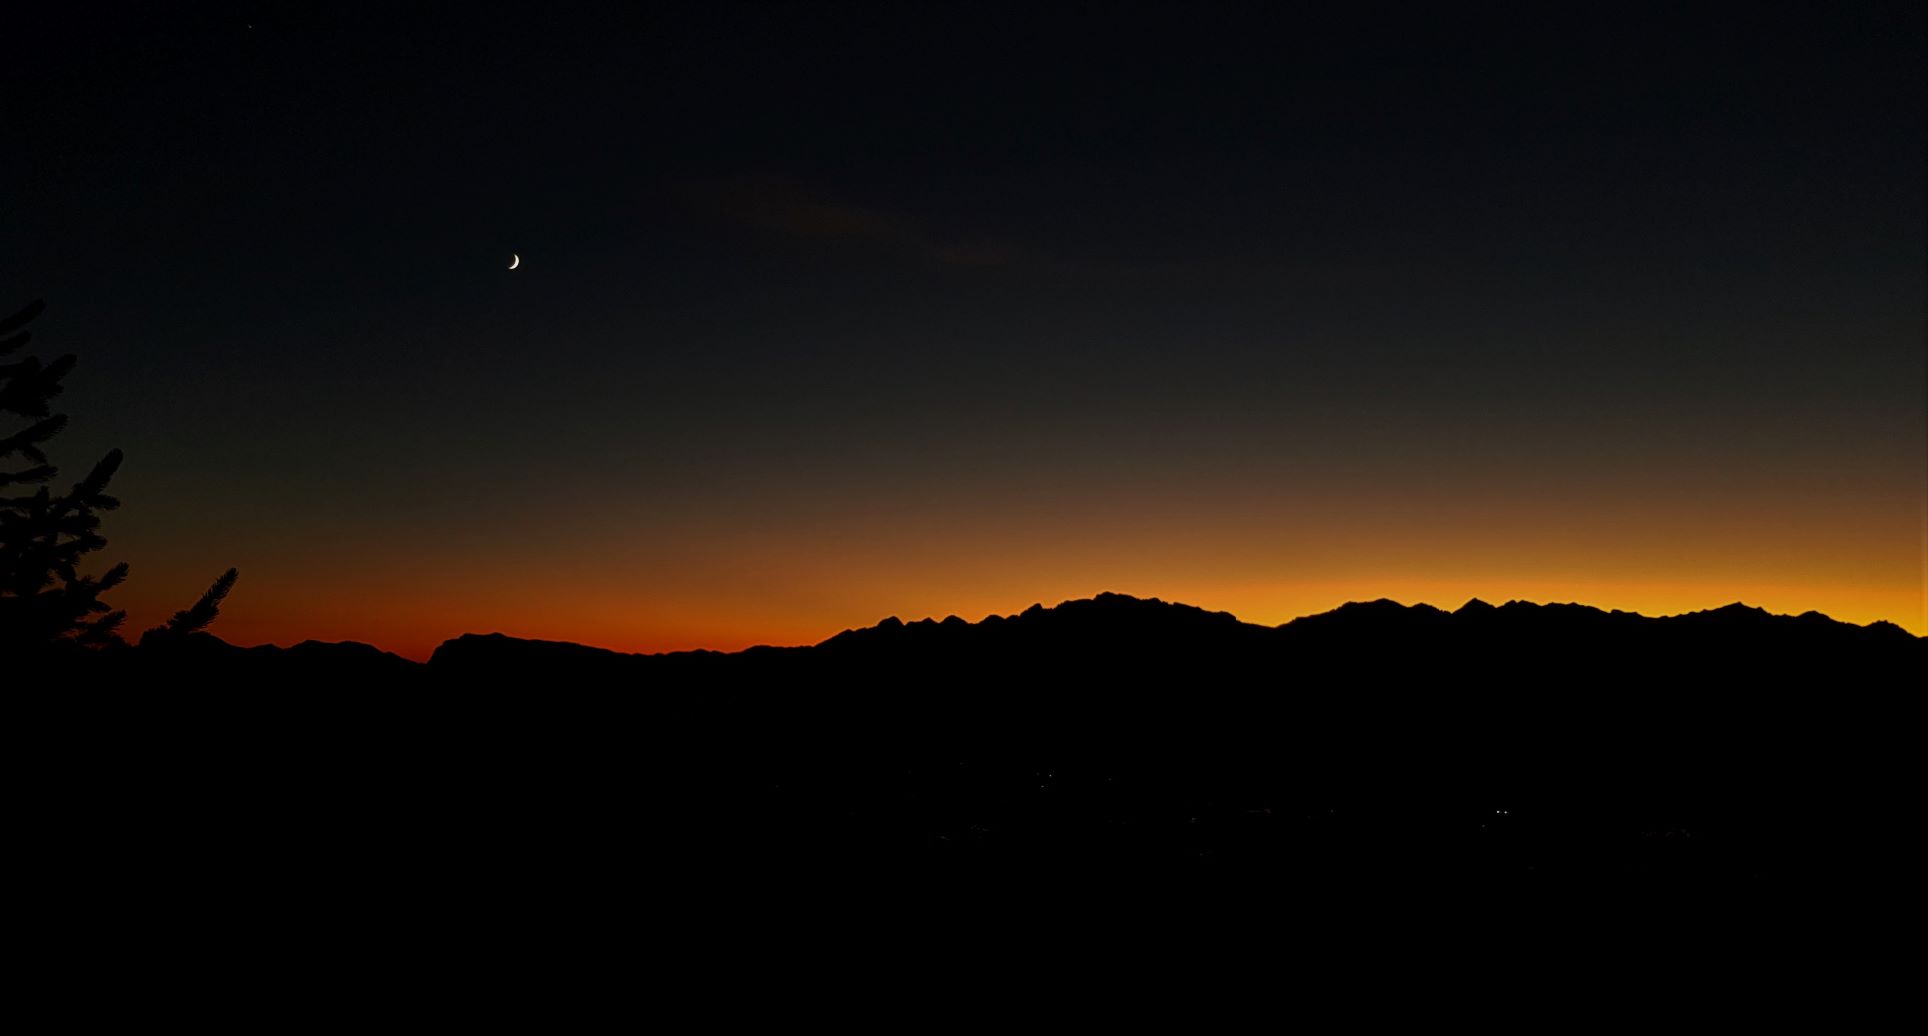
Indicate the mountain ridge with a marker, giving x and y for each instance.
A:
(1375, 745)
(1380, 608)
(1109, 634)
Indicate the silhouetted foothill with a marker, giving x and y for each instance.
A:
(267, 668)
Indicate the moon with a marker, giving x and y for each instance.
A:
(514, 260)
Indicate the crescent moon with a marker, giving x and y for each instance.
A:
(514, 260)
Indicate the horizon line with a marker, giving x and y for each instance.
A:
(1109, 593)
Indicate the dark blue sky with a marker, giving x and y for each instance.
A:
(791, 267)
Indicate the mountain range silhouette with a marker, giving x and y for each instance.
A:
(1376, 746)
(1120, 635)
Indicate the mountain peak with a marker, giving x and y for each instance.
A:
(1736, 610)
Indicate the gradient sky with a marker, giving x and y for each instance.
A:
(831, 313)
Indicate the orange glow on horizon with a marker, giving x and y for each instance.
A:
(796, 566)
(415, 632)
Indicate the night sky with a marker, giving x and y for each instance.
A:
(827, 313)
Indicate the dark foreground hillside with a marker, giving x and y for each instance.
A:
(1373, 751)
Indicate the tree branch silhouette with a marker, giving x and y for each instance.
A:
(45, 600)
(196, 619)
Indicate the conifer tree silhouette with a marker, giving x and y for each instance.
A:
(44, 598)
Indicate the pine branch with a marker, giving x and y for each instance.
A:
(197, 618)
(25, 440)
(40, 473)
(32, 309)
(96, 479)
(29, 386)
(104, 630)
